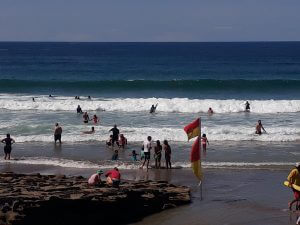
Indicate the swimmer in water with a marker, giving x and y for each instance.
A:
(210, 111)
(86, 117)
(90, 131)
(259, 127)
(95, 119)
(153, 108)
(247, 106)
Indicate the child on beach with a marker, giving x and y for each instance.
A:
(122, 141)
(204, 140)
(109, 141)
(95, 179)
(134, 155)
(115, 155)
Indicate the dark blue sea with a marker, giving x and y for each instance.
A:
(125, 79)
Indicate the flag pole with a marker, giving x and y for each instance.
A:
(199, 139)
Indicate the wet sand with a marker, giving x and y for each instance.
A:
(230, 196)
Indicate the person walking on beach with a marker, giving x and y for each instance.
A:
(147, 146)
(259, 127)
(115, 135)
(247, 106)
(57, 133)
(157, 154)
(113, 177)
(294, 178)
(8, 141)
(167, 149)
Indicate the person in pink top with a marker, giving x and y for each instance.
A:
(95, 179)
(113, 177)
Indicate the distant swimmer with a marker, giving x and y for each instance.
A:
(79, 110)
(153, 108)
(8, 141)
(50, 96)
(33, 99)
(259, 127)
(95, 119)
(77, 97)
(247, 106)
(86, 117)
(90, 131)
(89, 97)
(57, 133)
(210, 111)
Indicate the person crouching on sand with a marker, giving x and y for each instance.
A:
(294, 178)
(95, 179)
(8, 141)
(113, 177)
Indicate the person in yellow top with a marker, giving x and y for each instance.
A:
(294, 178)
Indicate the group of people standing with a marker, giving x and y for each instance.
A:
(158, 148)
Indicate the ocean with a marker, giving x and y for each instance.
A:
(125, 79)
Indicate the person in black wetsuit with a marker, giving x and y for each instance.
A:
(153, 108)
(79, 110)
(7, 148)
(115, 137)
(247, 108)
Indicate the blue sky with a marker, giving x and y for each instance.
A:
(151, 20)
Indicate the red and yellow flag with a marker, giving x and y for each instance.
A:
(193, 129)
(196, 159)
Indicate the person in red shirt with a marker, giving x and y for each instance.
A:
(113, 177)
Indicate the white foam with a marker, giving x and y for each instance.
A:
(184, 105)
(137, 134)
(67, 163)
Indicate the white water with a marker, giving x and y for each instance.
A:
(60, 162)
(184, 105)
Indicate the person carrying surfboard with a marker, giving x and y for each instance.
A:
(294, 179)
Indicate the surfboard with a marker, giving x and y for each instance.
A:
(296, 187)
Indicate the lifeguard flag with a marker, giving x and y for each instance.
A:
(196, 159)
(193, 129)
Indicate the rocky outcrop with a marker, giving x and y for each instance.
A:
(51, 199)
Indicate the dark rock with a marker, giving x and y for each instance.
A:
(51, 200)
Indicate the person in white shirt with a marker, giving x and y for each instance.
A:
(147, 147)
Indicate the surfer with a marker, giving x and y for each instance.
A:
(210, 111)
(90, 131)
(167, 149)
(115, 135)
(153, 108)
(79, 110)
(259, 127)
(7, 148)
(294, 178)
(247, 106)
(57, 133)
(86, 117)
